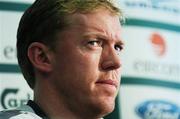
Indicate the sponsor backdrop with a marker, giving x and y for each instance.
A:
(13, 89)
(150, 84)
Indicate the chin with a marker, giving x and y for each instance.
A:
(108, 108)
(104, 107)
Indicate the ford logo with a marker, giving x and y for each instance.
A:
(158, 109)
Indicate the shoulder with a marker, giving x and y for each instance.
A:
(7, 114)
(24, 112)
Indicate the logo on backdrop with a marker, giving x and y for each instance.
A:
(157, 2)
(158, 46)
(158, 43)
(171, 6)
(11, 98)
(158, 109)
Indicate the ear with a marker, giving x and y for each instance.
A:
(40, 56)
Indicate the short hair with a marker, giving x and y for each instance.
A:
(43, 19)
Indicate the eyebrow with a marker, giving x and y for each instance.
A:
(104, 37)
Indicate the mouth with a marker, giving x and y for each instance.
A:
(108, 82)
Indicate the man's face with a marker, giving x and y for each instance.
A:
(86, 65)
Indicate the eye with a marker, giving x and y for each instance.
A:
(95, 43)
(118, 47)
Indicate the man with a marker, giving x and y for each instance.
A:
(68, 51)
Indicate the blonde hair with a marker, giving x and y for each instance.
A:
(84, 6)
(41, 21)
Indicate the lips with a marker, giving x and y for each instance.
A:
(108, 82)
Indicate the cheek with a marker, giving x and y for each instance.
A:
(78, 66)
(77, 73)
(89, 62)
(86, 65)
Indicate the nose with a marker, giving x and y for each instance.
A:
(110, 59)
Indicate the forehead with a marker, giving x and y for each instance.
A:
(101, 20)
